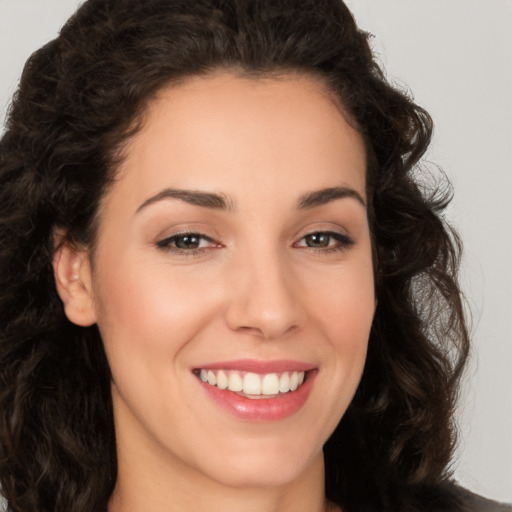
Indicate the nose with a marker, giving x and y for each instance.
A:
(265, 301)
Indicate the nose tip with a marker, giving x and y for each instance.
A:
(265, 304)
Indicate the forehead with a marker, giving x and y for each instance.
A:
(221, 131)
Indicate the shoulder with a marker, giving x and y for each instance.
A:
(475, 503)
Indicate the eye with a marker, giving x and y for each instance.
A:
(186, 242)
(325, 240)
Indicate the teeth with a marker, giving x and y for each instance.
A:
(253, 384)
(294, 381)
(284, 383)
(270, 384)
(222, 380)
(235, 382)
(212, 379)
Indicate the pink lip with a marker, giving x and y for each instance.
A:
(264, 409)
(259, 366)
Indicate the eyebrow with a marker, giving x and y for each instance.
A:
(216, 201)
(326, 195)
(195, 197)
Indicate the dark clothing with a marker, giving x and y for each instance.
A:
(477, 503)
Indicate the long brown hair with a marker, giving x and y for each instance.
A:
(80, 98)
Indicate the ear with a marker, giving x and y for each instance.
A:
(72, 273)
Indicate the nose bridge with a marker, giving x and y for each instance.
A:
(265, 301)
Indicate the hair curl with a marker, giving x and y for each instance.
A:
(80, 98)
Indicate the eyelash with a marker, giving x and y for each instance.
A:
(169, 244)
(343, 241)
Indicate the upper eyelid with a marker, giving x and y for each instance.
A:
(339, 231)
(166, 240)
(185, 232)
(333, 234)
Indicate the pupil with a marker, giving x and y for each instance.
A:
(187, 242)
(318, 240)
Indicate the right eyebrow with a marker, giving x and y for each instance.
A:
(326, 195)
(196, 197)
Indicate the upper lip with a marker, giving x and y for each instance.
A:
(258, 366)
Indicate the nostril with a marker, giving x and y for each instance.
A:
(268, 332)
(250, 330)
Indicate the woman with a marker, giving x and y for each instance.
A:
(221, 285)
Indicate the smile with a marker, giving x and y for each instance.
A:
(253, 390)
(253, 385)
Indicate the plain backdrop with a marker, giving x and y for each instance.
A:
(455, 57)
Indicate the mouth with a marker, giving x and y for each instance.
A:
(253, 385)
(258, 390)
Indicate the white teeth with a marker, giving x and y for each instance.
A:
(253, 384)
(235, 382)
(212, 379)
(284, 383)
(294, 381)
(222, 380)
(270, 384)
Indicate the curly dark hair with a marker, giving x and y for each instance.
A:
(81, 97)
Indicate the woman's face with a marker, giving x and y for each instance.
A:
(234, 248)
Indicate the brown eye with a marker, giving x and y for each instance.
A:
(318, 240)
(186, 242)
(326, 241)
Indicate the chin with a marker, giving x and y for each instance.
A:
(266, 465)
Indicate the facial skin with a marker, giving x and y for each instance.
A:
(258, 287)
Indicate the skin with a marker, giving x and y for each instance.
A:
(256, 288)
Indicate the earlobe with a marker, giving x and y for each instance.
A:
(72, 273)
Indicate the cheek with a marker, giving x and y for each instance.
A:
(146, 312)
(341, 303)
(345, 301)
(344, 307)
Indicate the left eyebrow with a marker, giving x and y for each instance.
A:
(195, 197)
(326, 195)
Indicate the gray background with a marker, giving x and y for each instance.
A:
(456, 58)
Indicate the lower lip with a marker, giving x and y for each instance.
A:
(263, 409)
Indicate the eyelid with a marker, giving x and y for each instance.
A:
(166, 242)
(169, 243)
(344, 241)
